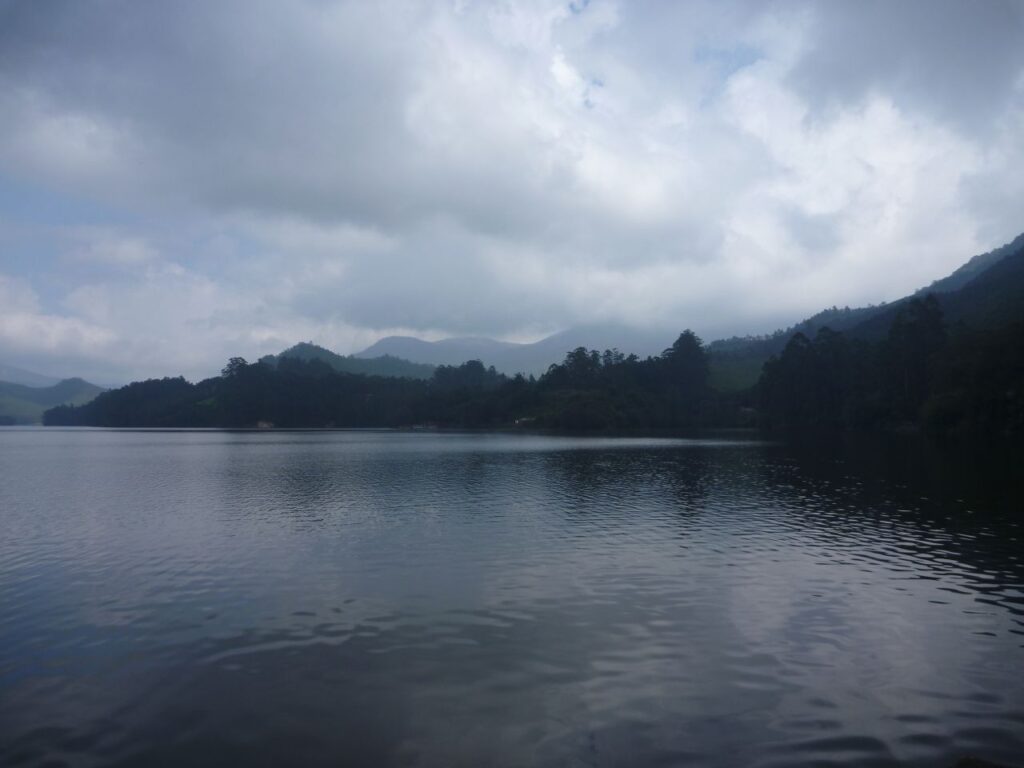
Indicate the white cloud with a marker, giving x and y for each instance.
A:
(337, 171)
(25, 327)
(108, 247)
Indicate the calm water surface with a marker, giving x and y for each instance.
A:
(374, 598)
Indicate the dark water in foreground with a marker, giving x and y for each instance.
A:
(362, 598)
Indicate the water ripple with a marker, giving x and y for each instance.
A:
(376, 598)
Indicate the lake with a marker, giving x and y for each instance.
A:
(186, 598)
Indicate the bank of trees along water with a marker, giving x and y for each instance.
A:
(588, 390)
(921, 375)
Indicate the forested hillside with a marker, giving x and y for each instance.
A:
(922, 374)
(587, 391)
(987, 292)
(383, 365)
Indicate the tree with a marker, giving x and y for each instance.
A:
(235, 366)
(612, 357)
(471, 375)
(683, 376)
(685, 364)
(786, 383)
(916, 339)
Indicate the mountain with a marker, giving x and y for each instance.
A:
(444, 352)
(973, 268)
(21, 404)
(15, 375)
(511, 358)
(985, 292)
(991, 297)
(381, 365)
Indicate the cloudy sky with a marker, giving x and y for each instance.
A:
(185, 181)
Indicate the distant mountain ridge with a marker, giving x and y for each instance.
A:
(454, 351)
(736, 362)
(14, 375)
(527, 358)
(380, 365)
(22, 404)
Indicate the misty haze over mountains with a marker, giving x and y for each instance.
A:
(535, 358)
(946, 362)
(511, 358)
(24, 404)
(15, 375)
(985, 290)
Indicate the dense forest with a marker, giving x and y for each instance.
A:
(922, 375)
(587, 391)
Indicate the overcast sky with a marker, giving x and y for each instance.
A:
(185, 181)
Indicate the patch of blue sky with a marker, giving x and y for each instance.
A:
(725, 62)
(593, 84)
(35, 204)
(29, 218)
(35, 222)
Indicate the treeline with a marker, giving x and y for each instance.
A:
(589, 390)
(922, 375)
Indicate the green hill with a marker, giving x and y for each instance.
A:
(20, 404)
(973, 268)
(991, 298)
(986, 292)
(385, 365)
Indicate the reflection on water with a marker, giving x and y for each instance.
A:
(208, 598)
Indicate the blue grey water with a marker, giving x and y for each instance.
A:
(377, 598)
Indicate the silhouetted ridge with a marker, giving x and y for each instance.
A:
(986, 292)
(974, 267)
(382, 365)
